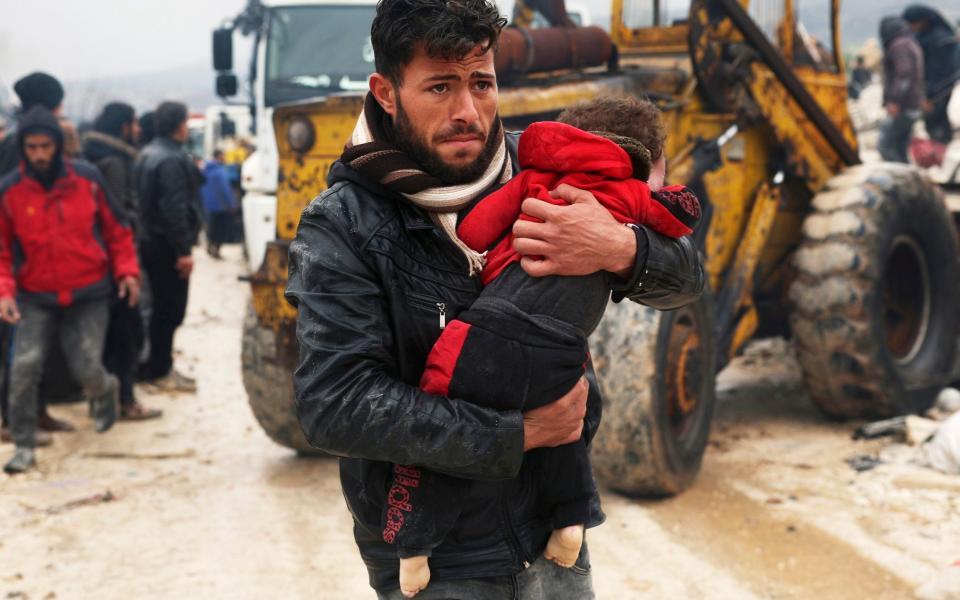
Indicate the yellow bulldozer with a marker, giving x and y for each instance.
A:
(857, 263)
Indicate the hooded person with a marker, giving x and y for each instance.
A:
(65, 250)
(902, 87)
(39, 120)
(941, 60)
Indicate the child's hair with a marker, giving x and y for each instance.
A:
(618, 118)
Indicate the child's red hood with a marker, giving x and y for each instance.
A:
(561, 148)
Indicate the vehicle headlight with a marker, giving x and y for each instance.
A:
(300, 134)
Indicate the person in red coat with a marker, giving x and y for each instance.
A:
(523, 342)
(65, 248)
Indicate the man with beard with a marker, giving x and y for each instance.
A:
(64, 251)
(376, 269)
(111, 147)
(35, 89)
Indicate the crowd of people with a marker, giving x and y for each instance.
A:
(89, 225)
(921, 66)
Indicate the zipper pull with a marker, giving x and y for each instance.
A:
(443, 314)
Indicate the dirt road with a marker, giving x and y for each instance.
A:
(200, 504)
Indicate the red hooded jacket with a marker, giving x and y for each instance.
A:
(553, 153)
(64, 244)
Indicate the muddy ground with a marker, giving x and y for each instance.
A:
(200, 504)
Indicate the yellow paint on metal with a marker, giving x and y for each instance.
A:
(809, 154)
(267, 286)
(744, 330)
(303, 176)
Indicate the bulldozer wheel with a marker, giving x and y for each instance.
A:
(657, 372)
(875, 298)
(269, 386)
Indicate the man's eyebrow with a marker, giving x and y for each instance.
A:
(455, 77)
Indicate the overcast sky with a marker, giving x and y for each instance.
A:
(80, 39)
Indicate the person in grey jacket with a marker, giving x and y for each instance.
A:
(168, 185)
(902, 87)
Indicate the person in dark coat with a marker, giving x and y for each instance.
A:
(374, 269)
(110, 147)
(941, 60)
(65, 252)
(168, 189)
(902, 88)
(860, 78)
(219, 203)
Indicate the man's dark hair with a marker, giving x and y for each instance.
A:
(627, 117)
(168, 117)
(447, 29)
(113, 117)
(147, 128)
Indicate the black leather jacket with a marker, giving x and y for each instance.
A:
(369, 273)
(168, 189)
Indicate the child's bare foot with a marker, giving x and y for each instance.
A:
(414, 575)
(563, 547)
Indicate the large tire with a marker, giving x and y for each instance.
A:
(269, 386)
(875, 297)
(657, 371)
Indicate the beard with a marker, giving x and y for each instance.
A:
(425, 154)
(44, 171)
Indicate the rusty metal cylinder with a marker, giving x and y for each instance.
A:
(551, 49)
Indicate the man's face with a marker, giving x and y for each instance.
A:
(40, 149)
(446, 114)
(182, 133)
(131, 132)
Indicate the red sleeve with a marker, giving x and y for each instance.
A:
(673, 211)
(119, 239)
(495, 214)
(8, 283)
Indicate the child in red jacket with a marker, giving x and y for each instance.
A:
(523, 342)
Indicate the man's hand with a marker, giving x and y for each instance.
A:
(579, 239)
(557, 423)
(130, 289)
(185, 266)
(893, 109)
(9, 311)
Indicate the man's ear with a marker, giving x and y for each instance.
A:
(385, 93)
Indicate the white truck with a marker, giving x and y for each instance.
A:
(301, 49)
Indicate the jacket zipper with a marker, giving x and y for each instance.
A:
(426, 302)
(512, 538)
